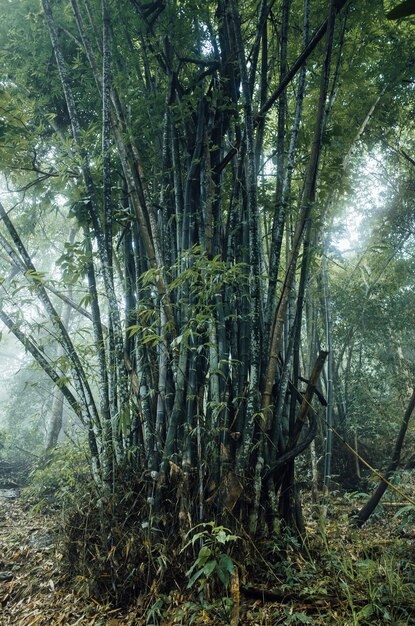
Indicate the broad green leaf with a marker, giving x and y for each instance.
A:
(366, 611)
(209, 567)
(204, 552)
(303, 618)
(410, 508)
(226, 564)
(223, 576)
(194, 578)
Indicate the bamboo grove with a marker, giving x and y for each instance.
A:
(191, 144)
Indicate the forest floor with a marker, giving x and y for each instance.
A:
(343, 576)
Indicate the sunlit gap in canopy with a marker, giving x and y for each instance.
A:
(366, 197)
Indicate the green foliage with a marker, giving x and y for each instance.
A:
(296, 617)
(212, 560)
(198, 280)
(406, 515)
(55, 483)
(73, 262)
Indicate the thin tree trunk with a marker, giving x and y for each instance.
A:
(307, 202)
(367, 510)
(293, 448)
(254, 250)
(329, 377)
(312, 44)
(314, 472)
(56, 413)
(56, 420)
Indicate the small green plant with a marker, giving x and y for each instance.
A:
(355, 495)
(154, 613)
(297, 618)
(406, 515)
(213, 561)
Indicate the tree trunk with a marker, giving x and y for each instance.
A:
(367, 510)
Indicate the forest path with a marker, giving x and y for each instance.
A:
(33, 591)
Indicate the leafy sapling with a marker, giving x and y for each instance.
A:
(213, 561)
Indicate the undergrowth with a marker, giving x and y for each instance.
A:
(171, 573)
(55, 482)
